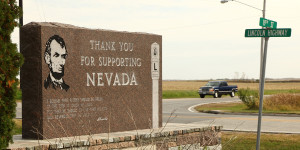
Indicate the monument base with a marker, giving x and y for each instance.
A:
(172, 136)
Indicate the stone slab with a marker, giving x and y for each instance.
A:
(78, 81)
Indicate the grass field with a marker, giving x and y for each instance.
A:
(247, 141)
(189, 89)
(194, 85)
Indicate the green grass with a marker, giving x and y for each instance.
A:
(18, 127)
(227, 107)
(247, 141)
(19, 94)
(239, 108)
(180, 94)
(167, 94)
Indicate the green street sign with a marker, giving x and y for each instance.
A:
(267, 23)
(281, 32)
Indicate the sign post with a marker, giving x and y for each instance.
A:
(266, 33)
(261, 92)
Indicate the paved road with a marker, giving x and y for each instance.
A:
(184, 113)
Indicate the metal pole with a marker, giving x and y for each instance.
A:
(261, 94)
(262, 42)
(246, 4)
(21, 24)
(21, 6)
(263, 57)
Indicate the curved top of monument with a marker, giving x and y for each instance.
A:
(62, 25)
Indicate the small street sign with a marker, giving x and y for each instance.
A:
(281, 32)
(267, 23)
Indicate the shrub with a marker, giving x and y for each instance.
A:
(10, 62)
(249, 97)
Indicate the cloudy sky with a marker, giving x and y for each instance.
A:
(202, 39)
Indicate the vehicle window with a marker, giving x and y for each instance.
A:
(212, 84)
(224, 84)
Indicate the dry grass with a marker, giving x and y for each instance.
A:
(282, 102)
(194, 85)
(18, 122)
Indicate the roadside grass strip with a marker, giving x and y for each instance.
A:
(276, 104)
(247, 141)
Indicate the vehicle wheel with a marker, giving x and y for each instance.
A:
(232, 94)
(219, 95)
(216, 95)
(202, 95)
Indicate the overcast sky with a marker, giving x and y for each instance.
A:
(202, 39)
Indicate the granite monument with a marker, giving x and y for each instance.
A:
(78, 81)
